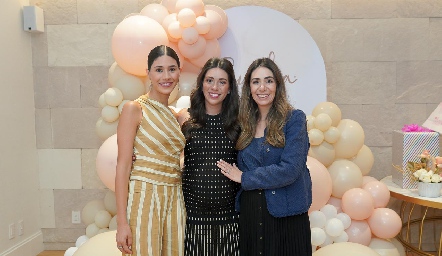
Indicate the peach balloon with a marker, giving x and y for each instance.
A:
(186, 17)
(193, 51)
(367, 179)
(165, 24)
(321, 183)
(359, 232)
(315, 137)
(323, 122)
(357, 203)
(351, 139)
(175, 30)
(212, 50)
(364, 159)
(197, 6)
(217, 27)
(221, 13)
(324, 153)
(106, 162)
(385, 223)
(174, 46)
(155, 11)
(133, 39)
(202, 25)
(170, 5)
(104, 129)
(190, 35)
(336, 202)
(187, 83)
(345, 175)
(345, 249)
(380, 193)
(190, 68)
(332, 135)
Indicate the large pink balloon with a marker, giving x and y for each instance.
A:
(321, 183)
(380, 193)
(385, 223)
(106, 161)
(212, 50)
(367, 179)
(357, 203)
(217, 27)
(359, 232)
(132, 41)
(336, 202)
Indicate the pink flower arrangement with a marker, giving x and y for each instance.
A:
(415, 128)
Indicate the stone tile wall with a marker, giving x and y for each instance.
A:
(383, 60)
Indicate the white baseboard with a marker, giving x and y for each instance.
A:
(31, 246)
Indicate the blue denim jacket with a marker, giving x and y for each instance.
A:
(281, 172)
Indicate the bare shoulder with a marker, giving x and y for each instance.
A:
(131, 111)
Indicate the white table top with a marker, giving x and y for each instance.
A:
(411, 195)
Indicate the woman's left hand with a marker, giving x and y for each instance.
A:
(230, 171)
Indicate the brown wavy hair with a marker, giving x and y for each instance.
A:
(249, 112)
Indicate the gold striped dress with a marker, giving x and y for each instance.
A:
(155, 209)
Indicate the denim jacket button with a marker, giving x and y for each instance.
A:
(273, 192)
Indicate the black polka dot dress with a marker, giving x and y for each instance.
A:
(212, 223)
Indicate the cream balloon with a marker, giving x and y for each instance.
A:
(81, 240)
(90, 210)
(217, 26)
(120, 107)
(330, 109)
(197, 6)
(131, 87)
(92, 230)
(310, 122)
(332, 135)
(383, 247)
(187, 83)
(186, 17)
(324, 153)
(110, 114)
(315, 137)
(190, 35)
(345, 175)
(202, 25)
(102, 101)
(359, 232)
(113, 223)
(110, 202)
(102, 219)
(321, 183)
(193, 51)
(212, 50)
(183, 102)
(106, 162)
(351, 139)
(102, 230)
(385, 223)
(357, 203)
(101, 244)
(115, 72)
(379, 192)
(364, 159)
(345, 249)
(343, 237)
(70, 251)
(104, 129)
(155, 11)
(322, 122)
(113, 96)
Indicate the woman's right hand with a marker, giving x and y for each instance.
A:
(124, 238)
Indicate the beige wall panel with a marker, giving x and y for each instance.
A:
(43, 128)
(47, 209)
(39, 50)
(89, 174)
(59, 168)
(435, 39)
(419, 8)
(105, 11)
(94, 82)
(58, 11)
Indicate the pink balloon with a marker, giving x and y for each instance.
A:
(367, 179)
(212, 50)
(321, 183)
(193, 51)
(190, 35)
(106, 161)
(380, 193)
(132, 41)
(217, 27)
(385, 223)
(336, 202)
(359, 232)
(197, 6)
(357, 203)
(155, 11)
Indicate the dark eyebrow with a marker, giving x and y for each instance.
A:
(171, 66)
(269, 77)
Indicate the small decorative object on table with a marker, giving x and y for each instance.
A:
(428, 174)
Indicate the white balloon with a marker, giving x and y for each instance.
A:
(70, 251)
(102, 219)
(328, 240)
(383, 247)
(329, 211)
(334, 227)
(113, 96)
(81, 240)
(318, 236)
(345, 219)
(341, 238)
(317, 219)
(102, 101)
(183, 102)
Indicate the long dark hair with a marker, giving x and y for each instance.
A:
(249, 113)
(230, 105)
(159, 51)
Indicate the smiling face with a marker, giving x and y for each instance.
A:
(216, 86)
(263, 87)
(164, 75)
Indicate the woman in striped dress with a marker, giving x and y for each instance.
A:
(150, 206)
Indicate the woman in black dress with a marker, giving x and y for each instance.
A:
(211, 133)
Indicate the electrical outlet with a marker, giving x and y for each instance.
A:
(11, 230)
(20, 227)
(76, 217)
